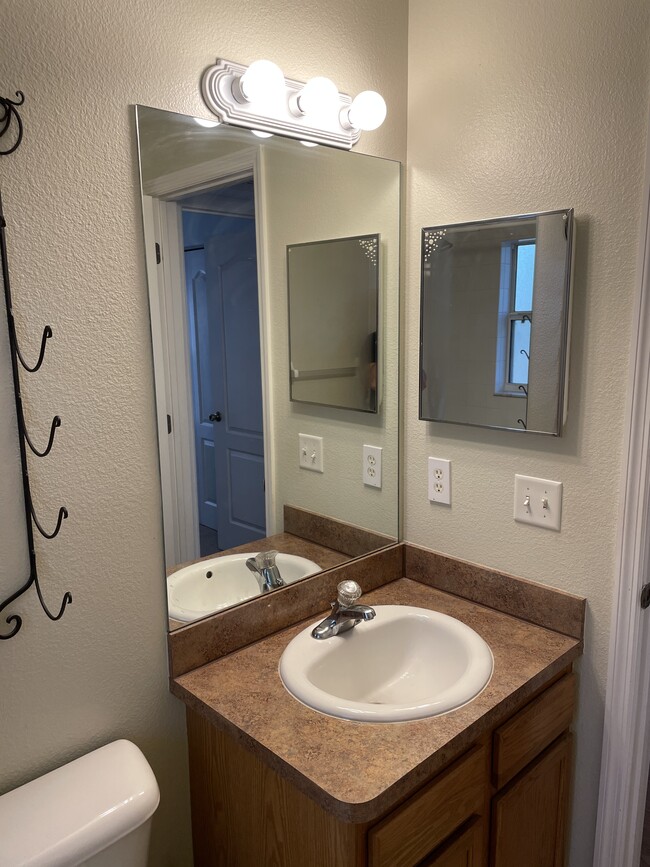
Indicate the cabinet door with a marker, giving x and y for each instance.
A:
(464, 850)
(529, 816)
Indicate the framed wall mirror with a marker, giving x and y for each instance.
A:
(220, 208)
(334, 322)
(495, 321)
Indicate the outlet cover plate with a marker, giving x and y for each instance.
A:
(439, 478)
(310, 454)
(538, 492)
(372, 466)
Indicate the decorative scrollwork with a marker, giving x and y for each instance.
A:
(9, 112)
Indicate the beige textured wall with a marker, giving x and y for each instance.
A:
(338, 188)
(517, 107)
(77, 263)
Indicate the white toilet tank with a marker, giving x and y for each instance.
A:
(95, 811)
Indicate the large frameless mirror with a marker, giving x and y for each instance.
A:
(220, 207)
(494, 326)
(333, 322)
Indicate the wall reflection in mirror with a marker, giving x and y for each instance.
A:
(333, 322)
(494, 326)
(220, 208)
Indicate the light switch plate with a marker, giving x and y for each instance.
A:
(311, 453)
(538, 502)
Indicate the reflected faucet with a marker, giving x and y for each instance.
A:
(264, 568)
(345, 613)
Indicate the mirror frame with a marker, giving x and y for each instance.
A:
(565, 331)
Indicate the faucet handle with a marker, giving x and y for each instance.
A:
(265, 559)
(348, 593)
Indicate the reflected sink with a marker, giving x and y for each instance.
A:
(210, 585)
(406, 664)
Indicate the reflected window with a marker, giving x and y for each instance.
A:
(515, 317)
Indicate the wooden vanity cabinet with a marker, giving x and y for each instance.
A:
(503, 803)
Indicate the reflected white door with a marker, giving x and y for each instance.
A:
(233, 312)
(202, 387)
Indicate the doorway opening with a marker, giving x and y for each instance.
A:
(219, 245)
(209, 305)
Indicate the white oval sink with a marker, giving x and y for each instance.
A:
(406, 664)
(210, 585)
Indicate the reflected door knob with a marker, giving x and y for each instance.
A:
(215, 416)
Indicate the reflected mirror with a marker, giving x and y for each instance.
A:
(494, 322)
(333, 327)
(221, 207)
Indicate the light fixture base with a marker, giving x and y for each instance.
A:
(220, 83)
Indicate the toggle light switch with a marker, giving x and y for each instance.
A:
(310, 452)
(538, 502)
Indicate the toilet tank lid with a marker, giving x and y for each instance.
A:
(78, 809)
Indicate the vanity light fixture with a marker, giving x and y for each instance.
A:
(319, 96)
(367, 112)
(260, 98)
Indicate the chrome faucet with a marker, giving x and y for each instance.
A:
(345, 613)
(264, 568)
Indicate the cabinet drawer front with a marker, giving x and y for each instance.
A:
(523, 737)
(419, 825)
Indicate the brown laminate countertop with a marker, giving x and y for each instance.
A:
(358, 771)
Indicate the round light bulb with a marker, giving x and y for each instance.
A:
(261, 134)
(368, 110)
(308, 144)
(319, 95)
(207, 123)
(262, 80)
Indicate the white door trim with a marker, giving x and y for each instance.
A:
(179, 372)
(172, 381)
(157, 318)
(204, 176)
(198, 177)
(626, 745)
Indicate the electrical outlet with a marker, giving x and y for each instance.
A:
(372, 466)
(538, 502)
(311, 453)
(440, 481)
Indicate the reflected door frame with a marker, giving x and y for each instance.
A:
(162, 218)
(626, 737)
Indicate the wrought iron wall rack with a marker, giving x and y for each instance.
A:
(14, 621)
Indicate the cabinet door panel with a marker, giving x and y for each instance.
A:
(464, 850)
(529, 817)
